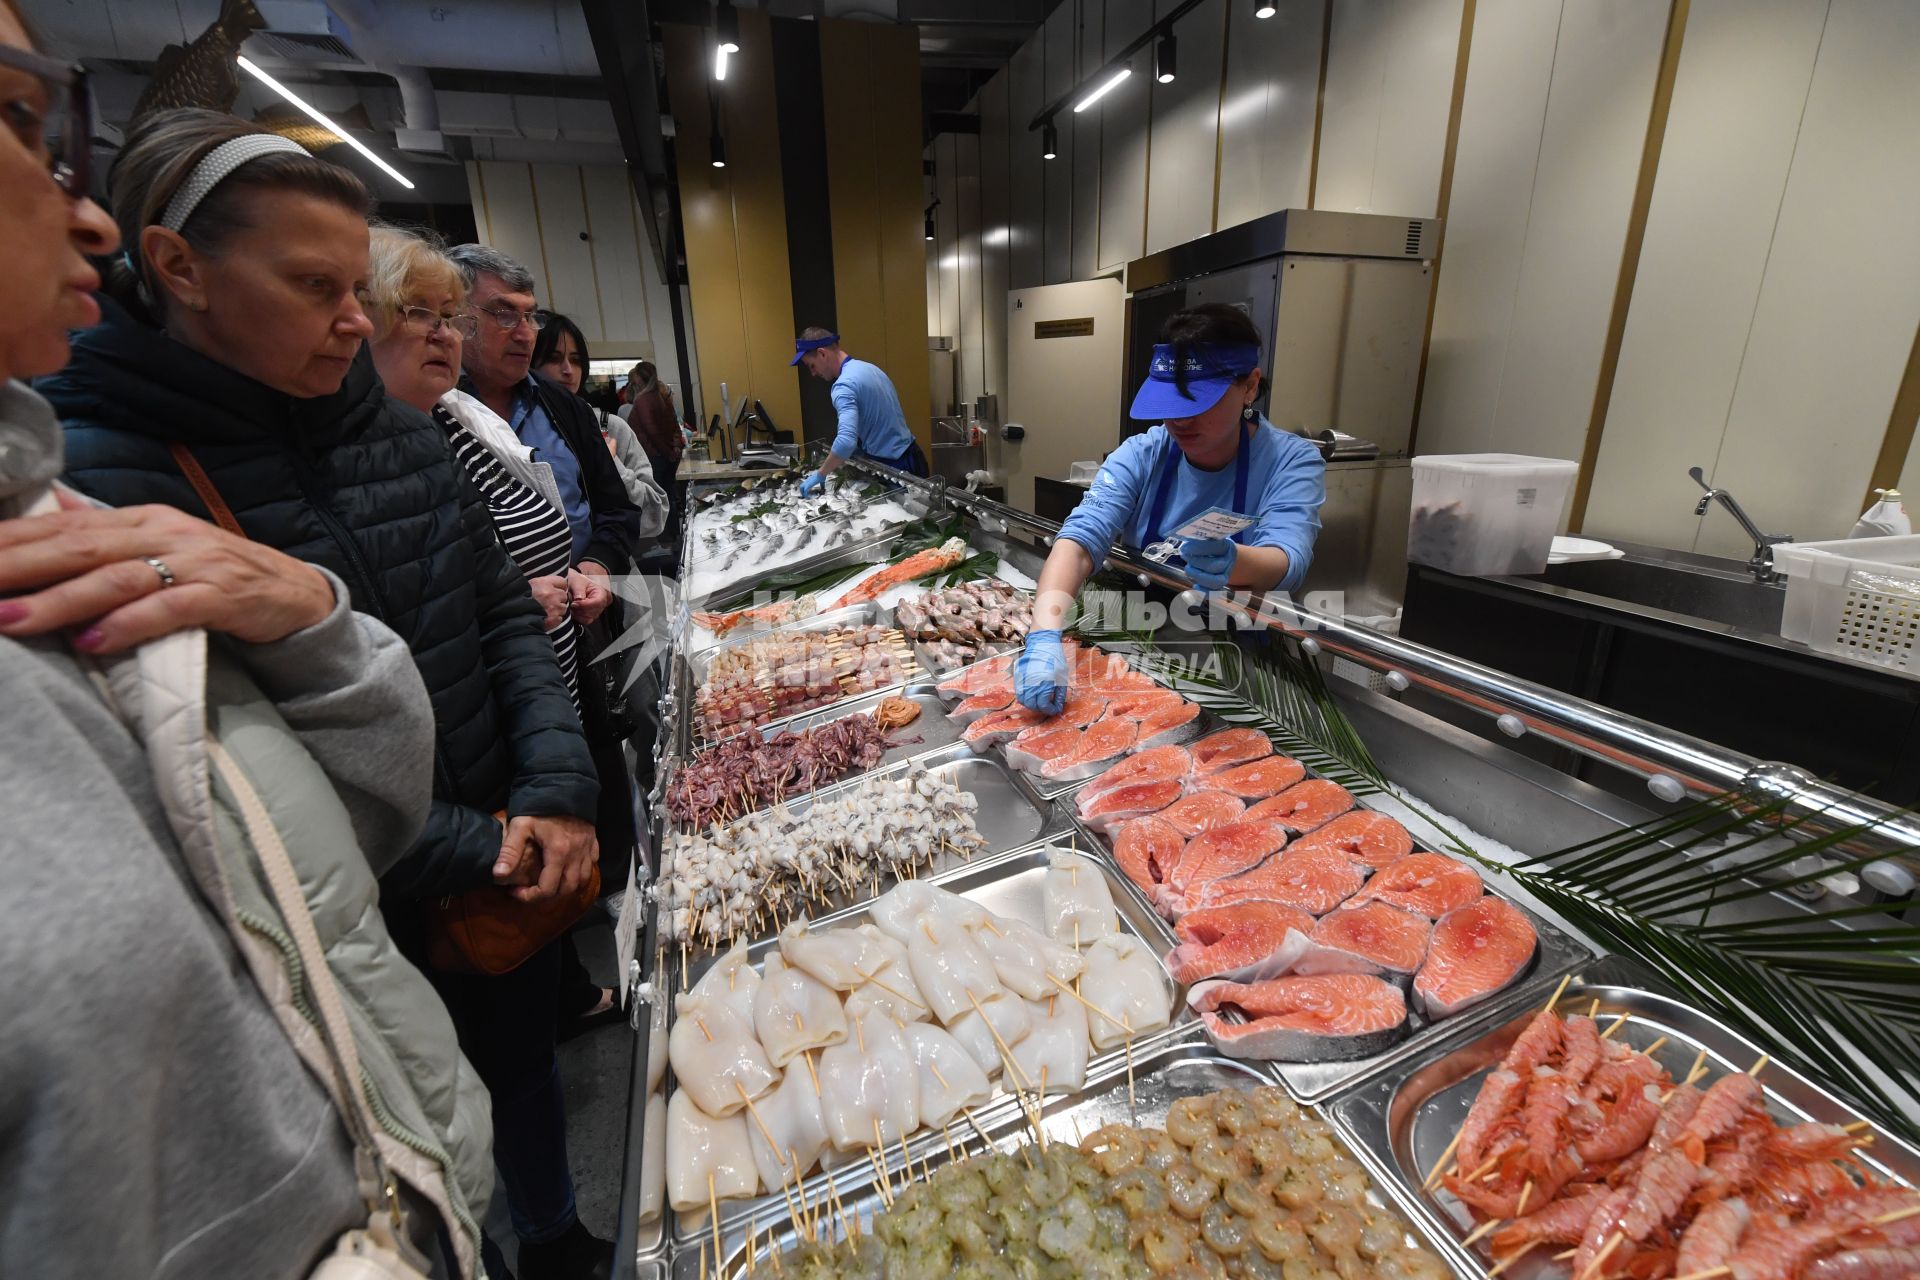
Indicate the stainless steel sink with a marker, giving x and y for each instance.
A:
(1679, 585)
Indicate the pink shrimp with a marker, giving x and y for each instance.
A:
(1896, 1263)
(1583, 1049)
(1658, 1193)
(1625, 1128)
(1536, 1044)
(1736, 1164)
(1779, 1252)
(1498, 1100)
(1730, 1098)
(1561, 1222)
(1810, 1141)
(1501, 1198)
(1549, 1094)
(1713, 1236)
(1601, 1227)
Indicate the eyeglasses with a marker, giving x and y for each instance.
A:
(424, 322)
(59, 128)
(508, 318)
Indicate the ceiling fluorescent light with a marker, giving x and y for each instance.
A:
(321, 120)
(1263, 8)
(1104, 89)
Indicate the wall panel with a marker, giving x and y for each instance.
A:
(972, 333)
(1027, 203)
(1738, 93)
(1185, 131)
(1060, 42)
(1087, 127)
(511, 218)
(562, 211)
(1837, 310)
(1383, 133)
(994, 248)
(1266, 113)
(1123, 147)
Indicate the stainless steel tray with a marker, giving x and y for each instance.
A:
(932, 732)
(861, 615)
(1011, 816)
(1174, 1069)
(1402, 1126)
(871, 549)
(1010, 887)
(853, 615)
(923, 650)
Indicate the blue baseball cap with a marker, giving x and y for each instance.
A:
(1209, 370)
(803, 345)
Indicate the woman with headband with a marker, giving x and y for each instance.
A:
(231, 379)
(1213, 453)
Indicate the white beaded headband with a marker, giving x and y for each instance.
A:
(215, 166)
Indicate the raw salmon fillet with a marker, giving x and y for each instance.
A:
(1304, 1019)
(980, 677)
(1229, 747)
(1132, 801)
(1477, 950)
(1146, 849)
(1033, 748)
(1202, 810)
(994, 698)
(1427, 884)
(1395, 940)
(1101, 740)
(1135, 706)
(1260, 778)
(997, 726)
(1304, 805)
(1156, 764)
(1170, 723)
(1370, 839)
(1316, 881)
(1223, 851)
(1107, 674)
(1231, 941)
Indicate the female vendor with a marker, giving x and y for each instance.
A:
(1214, 450)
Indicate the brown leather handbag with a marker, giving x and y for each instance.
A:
(484, 930)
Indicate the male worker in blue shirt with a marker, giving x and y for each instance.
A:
(871, 421)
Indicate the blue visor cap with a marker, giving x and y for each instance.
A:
(1209, 369)
(803, 345)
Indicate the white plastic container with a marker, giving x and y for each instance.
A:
(1856, 598)
(1486, 513)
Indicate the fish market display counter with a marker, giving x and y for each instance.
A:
(1232, 967)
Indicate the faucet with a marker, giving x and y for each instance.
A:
(1760, 564)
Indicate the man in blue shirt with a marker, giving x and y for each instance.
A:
(1213, 449)
(871, 421)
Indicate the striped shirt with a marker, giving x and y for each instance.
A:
(534, 534)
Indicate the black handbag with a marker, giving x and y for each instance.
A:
(605, 707)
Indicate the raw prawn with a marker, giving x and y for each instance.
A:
(919, 565)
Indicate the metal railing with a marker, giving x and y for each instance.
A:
(1675, 765)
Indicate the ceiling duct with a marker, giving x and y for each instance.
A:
(304, 31)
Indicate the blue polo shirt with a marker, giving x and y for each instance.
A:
(530, 422)
(1286, 485)
(868, 407)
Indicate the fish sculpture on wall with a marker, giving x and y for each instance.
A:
(203, 73)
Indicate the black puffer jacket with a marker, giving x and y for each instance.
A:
(365, 486)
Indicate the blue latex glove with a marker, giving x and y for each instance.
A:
(812, 485)
(1040, 675)
(1209, 561)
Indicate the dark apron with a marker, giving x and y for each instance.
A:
(1169, 462)
(913, 462)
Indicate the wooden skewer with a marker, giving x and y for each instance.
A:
(1128, 1024)
(935, 1068)
(1005, 1051)
(758, 1120)
(1896, 1216)
(1599, 1259)
(1433, 1174)
(1485, 1228)
(703, 1260)
(1858, 1125)
(1707, 1274)
(1754, 1070)
(1526, 1193)
(811, 1073)
(1476, 1174)
(713, 1206)
(1564, 1254)
(1557, 993)
(1122, 1023)
(1655, 1045)
(1511, 1258)
(1617, 1023)
(1594, 1008)
(702, 1024)
(793, 1206)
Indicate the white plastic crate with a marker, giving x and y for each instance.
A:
(1856, 598)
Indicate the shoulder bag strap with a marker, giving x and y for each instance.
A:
(203, 485)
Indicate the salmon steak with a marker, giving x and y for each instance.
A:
(1132, 801)
(1175, 722)
(1393, 939)
(980, 677)
(1478, 951)
(1229, 747)
(1232, 943)
(1323, 1018)
(1156, 764)
(1146, 849)
(1368, 838)
(993, 698)
(1222, 851)
(1427, 884)
(1033, 748)
(1141, 704)
(1202, 810)
(1257, 779)
(1100, 742)
(997, 727)
(1305, 805)
(1315, 881)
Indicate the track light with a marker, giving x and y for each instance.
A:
(1264, 8)
(1107, 86)
(720, 52)
(320, 119)
(726, 26)
(1049, 141)
(929, 227)
(717, 151)
(1165, 55)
